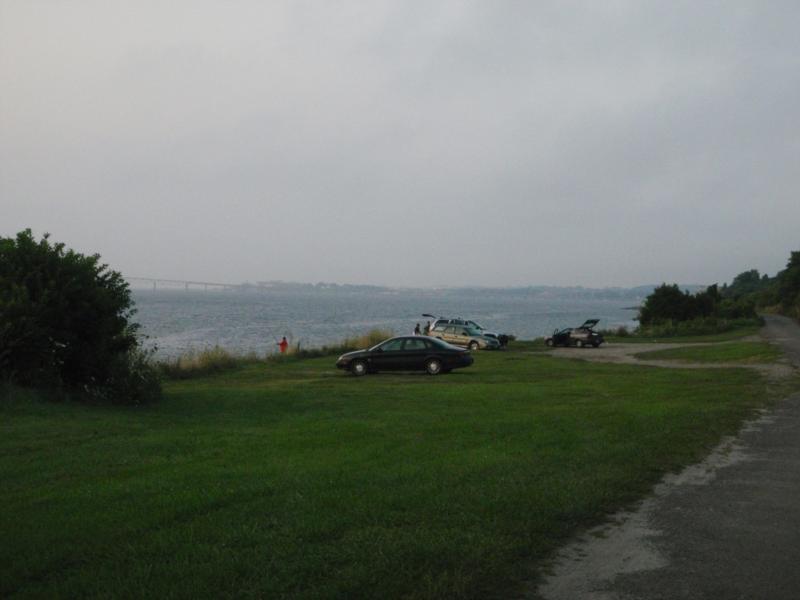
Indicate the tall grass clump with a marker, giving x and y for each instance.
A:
(204, 362)
(215, 360)
(620, 331)
(348, 344)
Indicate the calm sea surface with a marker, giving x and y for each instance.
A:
(178, 321)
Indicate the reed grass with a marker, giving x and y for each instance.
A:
(348, 344)
(205, 362)
(214, 360)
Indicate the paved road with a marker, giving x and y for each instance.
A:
(728, 528)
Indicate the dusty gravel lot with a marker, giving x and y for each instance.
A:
(625, 354)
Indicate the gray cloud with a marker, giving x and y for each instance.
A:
(406, 143)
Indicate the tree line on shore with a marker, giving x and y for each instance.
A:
(672, 311)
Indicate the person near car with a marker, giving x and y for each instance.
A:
(416, 330)
(427, 328)
(283, 345)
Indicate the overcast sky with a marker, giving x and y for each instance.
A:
(406, 143)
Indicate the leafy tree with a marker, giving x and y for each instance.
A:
(668, 303)
(65, 321)
(788, 286)
(744, 283)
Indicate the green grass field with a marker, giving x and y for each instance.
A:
(733, 352)
(727, 336)
(295, 480)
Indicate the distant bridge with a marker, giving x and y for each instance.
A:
(185, 283)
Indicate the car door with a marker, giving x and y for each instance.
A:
(464, 337)
(388, 355)
(415, 351)
(450, 336)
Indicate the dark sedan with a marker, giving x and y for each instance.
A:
(408, 353)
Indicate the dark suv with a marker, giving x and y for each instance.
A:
(585, 335)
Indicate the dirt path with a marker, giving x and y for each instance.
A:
(728, 527)
(626, 354)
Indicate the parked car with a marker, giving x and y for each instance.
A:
(463, 335)
(585, 335)
(406, 353)
(500, 337)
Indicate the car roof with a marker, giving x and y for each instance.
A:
(418, 337)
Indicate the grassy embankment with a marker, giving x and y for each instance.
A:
(290, 479)
(732, 352)
(725, 336)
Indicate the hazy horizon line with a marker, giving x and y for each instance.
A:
(265, 284)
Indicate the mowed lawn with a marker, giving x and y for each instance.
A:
(295, 480)
(734, 352)
(733, 334)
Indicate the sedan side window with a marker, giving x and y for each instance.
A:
(392, 346)
(414, 345)
(451, 330)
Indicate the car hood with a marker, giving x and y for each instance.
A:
(353, 354)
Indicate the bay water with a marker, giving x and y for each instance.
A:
(177, 321)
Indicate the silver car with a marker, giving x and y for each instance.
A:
(463, 335)
(503, 338)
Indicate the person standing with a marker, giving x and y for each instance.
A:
(283, 345)
(427, 328)
(416, 330)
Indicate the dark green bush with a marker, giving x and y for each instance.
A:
(132, 379)
(65, 323)
(773, 294)
(788, 286)
(668, 304)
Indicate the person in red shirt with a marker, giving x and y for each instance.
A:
(283, 345)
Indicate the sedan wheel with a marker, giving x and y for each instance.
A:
(579, 344)
(474, 345)
(358, 368)
(549, 343)
(433, 367)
